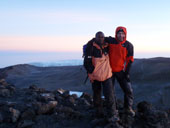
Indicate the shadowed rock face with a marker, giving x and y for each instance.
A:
(35, 107)
(150, 79)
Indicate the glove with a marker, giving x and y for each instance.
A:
(127, 76)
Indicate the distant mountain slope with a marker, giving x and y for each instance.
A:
(47, 77)
(149, 70)
(150, 78)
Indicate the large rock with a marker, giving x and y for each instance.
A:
(44, 97)
(148, 116)
(29, 114)
(6, 90)
(36, 89)
(60, 91)
(5, 93)
(15, 114)
(45, 108)
(25, 124)
(63, 112)
(3, 82)
(9, 114)
(87, 97)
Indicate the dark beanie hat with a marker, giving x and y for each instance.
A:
(120, 30)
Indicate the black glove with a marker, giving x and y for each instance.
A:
(127, 76)
(126, 72)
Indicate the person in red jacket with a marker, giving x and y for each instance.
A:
(121, 58)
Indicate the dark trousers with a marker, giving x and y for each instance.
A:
(109, 95)
(126, 87)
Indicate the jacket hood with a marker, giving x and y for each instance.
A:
(124, 30)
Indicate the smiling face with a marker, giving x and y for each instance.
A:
(121, 36)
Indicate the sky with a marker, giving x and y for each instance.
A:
(49, 30)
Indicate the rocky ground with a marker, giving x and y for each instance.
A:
(35, 107)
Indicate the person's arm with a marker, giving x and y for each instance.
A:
(129, 61)
(90, 41)
(128, 67)
(129, 58)
(106, 39)
(109, 39)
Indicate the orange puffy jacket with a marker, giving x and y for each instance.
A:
(97, 62)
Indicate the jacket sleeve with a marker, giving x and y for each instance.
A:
(129, 58)
(109, 39)
(88, 65)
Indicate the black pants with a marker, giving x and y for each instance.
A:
(126, 87)
(109, 95)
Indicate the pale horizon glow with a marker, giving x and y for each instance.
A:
(43, 44)
(63, 44)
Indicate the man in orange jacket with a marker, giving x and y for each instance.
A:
(121, 59)
(97, 64)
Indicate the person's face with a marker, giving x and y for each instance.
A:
(121, 36)
(100, 38)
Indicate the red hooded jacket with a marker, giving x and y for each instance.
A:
(120, 53)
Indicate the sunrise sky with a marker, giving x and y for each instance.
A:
(48, 30)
